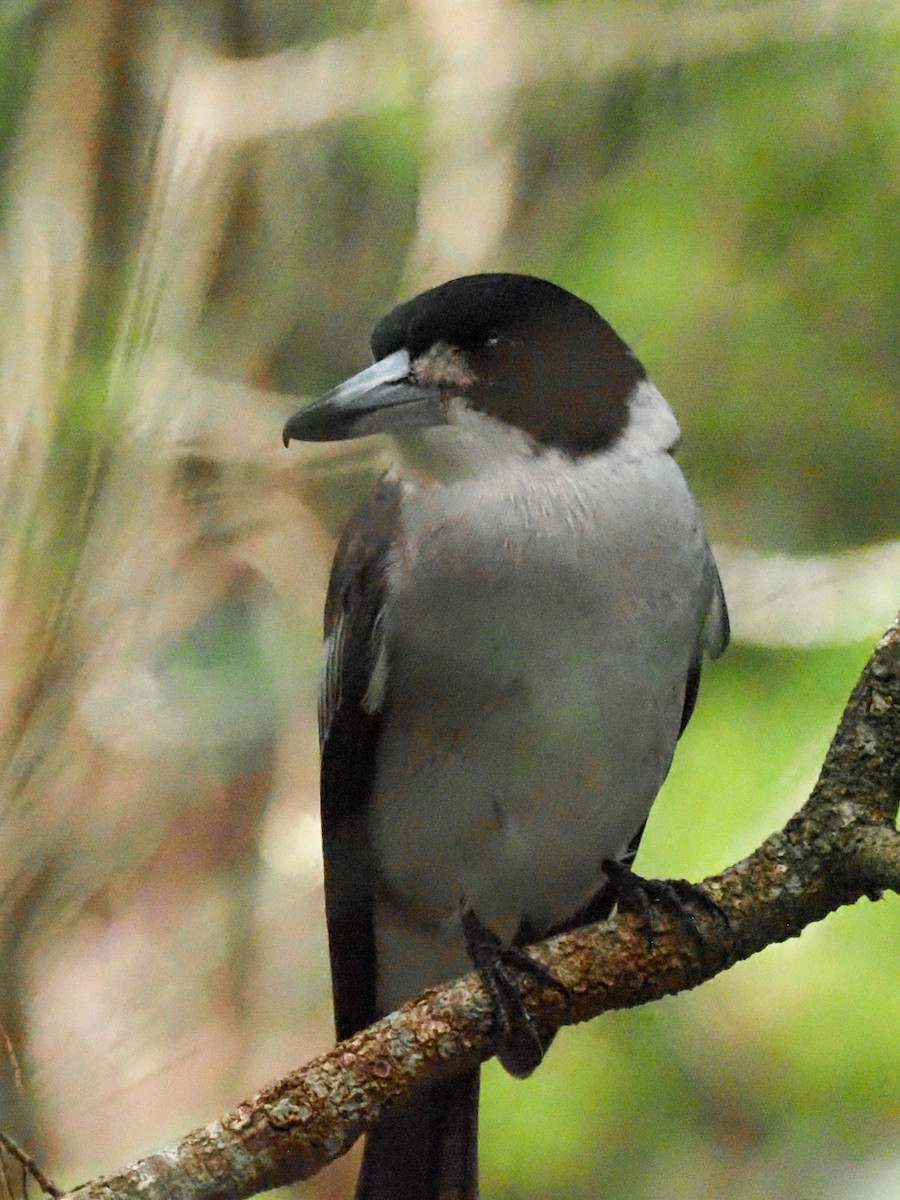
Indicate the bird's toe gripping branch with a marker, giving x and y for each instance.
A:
(648, 899)
(520, 1045)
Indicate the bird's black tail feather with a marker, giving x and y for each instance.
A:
(425, 1148)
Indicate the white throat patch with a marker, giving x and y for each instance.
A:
(470, 444)
(652, 426)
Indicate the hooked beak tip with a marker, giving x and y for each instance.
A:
(360, 405)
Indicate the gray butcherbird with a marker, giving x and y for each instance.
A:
(514, 632)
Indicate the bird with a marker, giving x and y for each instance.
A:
(515, 624)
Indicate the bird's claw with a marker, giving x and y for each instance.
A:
(648, 898)
(501, 967)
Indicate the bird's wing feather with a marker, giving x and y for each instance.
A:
(712, 641)
(716, 628)
(353, 686)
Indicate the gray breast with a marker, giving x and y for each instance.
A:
(539, 630)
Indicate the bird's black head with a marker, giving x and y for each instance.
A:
(517, 348)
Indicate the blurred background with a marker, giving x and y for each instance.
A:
(206, 204)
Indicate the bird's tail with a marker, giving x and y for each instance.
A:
(425, 1148)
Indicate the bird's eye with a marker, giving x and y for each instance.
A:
(493, 340)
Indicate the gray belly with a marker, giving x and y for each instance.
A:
(533, 709)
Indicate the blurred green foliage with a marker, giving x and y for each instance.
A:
(17, 55)
(740, 228)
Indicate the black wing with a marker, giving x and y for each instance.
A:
(352, 689)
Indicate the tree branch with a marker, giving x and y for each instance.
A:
(841, 845)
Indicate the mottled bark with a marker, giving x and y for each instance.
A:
(842, 844)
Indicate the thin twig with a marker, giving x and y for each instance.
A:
(4, 1179)
(14, 1062)
(29, 1167)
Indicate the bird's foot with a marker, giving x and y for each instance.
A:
(520, 1045)
(648, 899)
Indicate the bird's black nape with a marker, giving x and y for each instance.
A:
(543, 359)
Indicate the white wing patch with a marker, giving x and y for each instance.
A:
(330, 678)
(377, 685)
(333, 667)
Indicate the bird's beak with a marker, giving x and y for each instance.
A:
(384, 398)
